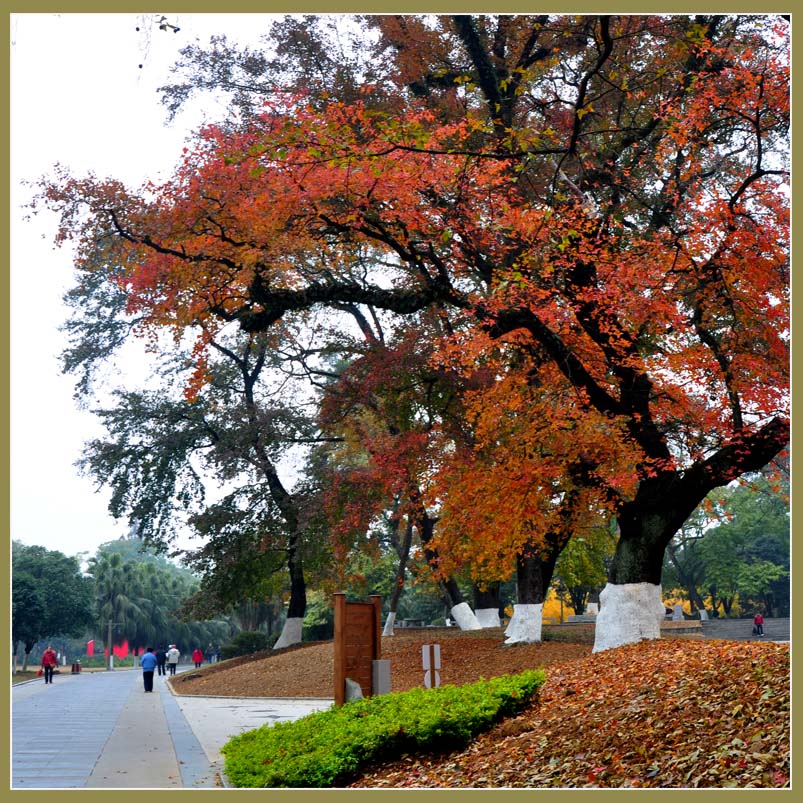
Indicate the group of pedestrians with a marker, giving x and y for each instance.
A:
(162, 661)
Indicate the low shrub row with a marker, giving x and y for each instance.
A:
(330, 747)
(245, 643)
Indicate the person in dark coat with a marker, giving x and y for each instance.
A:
(161, 658)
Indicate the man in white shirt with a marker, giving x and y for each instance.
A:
(172, 659)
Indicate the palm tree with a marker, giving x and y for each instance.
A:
(118, 599)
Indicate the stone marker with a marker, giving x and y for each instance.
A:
(592, 609)
(677, 613)
(703, 615)
(353, 690)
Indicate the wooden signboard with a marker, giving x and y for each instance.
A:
(357, 643)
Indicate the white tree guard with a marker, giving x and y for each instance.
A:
(524, 626)
(628, 614)
(291, 633)
(389, 622)
(465, 618)
(488, 617)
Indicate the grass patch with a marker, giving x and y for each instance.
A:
(330, 747)
(21, 677)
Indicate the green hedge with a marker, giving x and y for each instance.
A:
(246, 643)
(329, 747)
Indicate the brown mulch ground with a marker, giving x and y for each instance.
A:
(308, 670)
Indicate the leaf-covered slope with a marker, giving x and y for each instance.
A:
(666, 713)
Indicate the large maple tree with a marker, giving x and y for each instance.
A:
(608, 194)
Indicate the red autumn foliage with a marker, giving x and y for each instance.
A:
(604, 197)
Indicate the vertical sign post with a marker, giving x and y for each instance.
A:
(357, 644)
(431, 654)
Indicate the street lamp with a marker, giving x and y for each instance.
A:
(110, 646)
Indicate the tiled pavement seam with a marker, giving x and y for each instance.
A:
(102, 730)
(197, 771)
(59, 730)
(139, 753)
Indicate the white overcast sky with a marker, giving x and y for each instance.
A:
(79, 98)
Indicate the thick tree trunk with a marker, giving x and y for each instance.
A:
(630, 603)
(534, 568)
(578, 595)
(401, 571)
(284, 500)
(486, 605)
(292, 630)
(631, 607)
(460, 609)
(629, 613)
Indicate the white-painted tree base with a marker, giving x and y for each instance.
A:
(291, 633)
(628, 614)
(389, 622)
(524, 626)
(465, 618)
(488, 617)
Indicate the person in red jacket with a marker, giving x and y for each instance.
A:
(198, 657)
(50, 661)
(758, 625)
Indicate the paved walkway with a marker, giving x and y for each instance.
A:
(100, 730)
(776, 629)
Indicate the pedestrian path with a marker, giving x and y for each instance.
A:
(775, 629)
(58, 731)
(139, 750)
(215, 720)
(101, 730)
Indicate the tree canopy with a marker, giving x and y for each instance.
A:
(142, 594)
(50, 595)
(594, 208)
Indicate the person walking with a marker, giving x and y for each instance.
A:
(148, 664)
(50, 660)
(198, 657)
(172, 659)
(758, 624)
(161, 658)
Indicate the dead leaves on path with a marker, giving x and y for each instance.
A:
(671, 714)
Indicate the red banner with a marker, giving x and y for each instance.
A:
(90, 647)
(119, 650)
